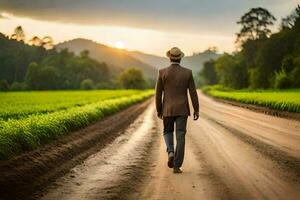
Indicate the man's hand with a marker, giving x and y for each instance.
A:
(196, 115)
(159, 115)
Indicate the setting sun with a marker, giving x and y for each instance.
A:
(119, 45)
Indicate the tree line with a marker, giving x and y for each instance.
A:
(263, 59)
(36, 65)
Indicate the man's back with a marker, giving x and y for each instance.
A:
(172, 85)
(173, 82)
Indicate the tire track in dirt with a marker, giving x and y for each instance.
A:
(197, 181)
(286, 161)
(246, 172)
(278, 132)
(231, 153)
(113, 172)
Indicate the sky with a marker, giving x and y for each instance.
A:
(150, 26)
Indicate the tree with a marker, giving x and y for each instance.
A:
(290, 21)
(16, 86)
(232, 71)
(294, 76)
(48, 69)
(266, 60)
(84, 54)
(32, 75)
(212, 49)
(281, 80)
(48, 78)
(292, 68)
(87, 84)
(269, 57)
(132, 78)
(18, 34)
(208, 73)
(35, 41)
(255, 25)
(47, 42)
(287, 63)
(151, 83)
(4, 86)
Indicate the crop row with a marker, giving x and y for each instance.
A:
(17, 136)
(17, 105)
(279, 100)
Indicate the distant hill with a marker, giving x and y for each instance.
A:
(112, 56)
(26, 67)
(194, 62)
(156, 61)
(124, 59)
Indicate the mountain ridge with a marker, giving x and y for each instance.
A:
(112, 56)
(123, 59)
(194, 62)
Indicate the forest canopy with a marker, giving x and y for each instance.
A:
(263, 59)
(36, 65)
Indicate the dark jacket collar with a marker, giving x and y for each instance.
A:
(175, 63)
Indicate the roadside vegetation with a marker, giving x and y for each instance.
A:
(37, 118)
(265, 68)
(262, 59)
(283, 100)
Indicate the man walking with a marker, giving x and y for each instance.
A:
(172, 105)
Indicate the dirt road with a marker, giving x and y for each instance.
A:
(231, 153)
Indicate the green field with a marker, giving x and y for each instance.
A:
(283, 100)
(29, 119)
(15, 105)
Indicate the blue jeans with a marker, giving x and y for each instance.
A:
(180, 122)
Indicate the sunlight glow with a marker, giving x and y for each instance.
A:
(117, 36)
(119, 45)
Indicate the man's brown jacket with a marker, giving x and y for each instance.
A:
(171, 91)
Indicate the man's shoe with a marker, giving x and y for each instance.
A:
(171, 160)
(177, 170)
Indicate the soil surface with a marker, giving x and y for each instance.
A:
(23, 175)
(231, 153)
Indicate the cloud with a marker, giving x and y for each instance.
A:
(209, 16)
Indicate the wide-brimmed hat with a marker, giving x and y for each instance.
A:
(175, 53)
